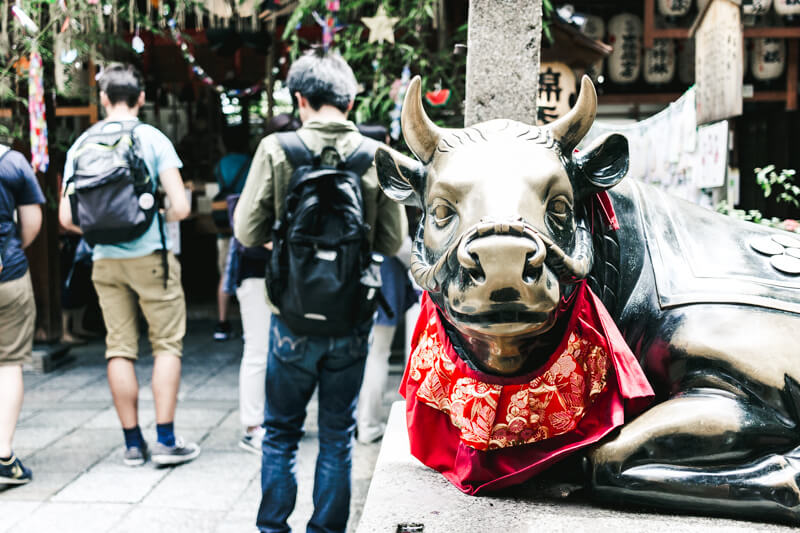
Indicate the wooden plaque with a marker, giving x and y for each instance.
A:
(718, 61)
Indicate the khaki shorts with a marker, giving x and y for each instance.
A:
(223, 245)
(17, 320)
(121, 284)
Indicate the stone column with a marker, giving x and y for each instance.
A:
(504, 39)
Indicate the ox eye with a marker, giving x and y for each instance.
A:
(558, 211)
(442, 214)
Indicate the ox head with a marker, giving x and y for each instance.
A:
(504, 230)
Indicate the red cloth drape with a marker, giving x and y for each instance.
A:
(439, 444)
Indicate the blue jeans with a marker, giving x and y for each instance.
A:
(297, 365)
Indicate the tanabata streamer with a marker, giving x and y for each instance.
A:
(39, 156)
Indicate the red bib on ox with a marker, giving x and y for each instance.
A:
(486, 432)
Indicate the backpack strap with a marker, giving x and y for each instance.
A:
(362, 157)
(296, 150)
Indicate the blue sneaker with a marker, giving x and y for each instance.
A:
(13, 472)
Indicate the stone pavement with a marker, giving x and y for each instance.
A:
(69, 435)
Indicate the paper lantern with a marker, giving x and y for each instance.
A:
(557, 84)
(659, 62)
(768, 58)
(755, 7)
(625, 35)
(787, 8)
(674, 8)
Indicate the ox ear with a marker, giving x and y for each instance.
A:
(603, 164)
(401, 178)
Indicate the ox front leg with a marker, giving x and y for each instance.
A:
(705, 451)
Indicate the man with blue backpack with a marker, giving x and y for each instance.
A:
(20, 221)
(111, 195)
(314, 195)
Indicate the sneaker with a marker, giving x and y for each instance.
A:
(135, 456)
(14, 472)
(182, 452)
(251, 441)
(223, 331)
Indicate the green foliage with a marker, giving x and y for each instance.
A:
(89, 33)
(378, 65)
(780, 184)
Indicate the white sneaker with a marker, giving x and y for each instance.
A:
(251, 441)
(370, 434)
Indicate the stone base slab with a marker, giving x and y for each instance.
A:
(404, 491)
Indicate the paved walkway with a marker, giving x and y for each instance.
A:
(70, 437)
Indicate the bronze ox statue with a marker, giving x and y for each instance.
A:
(707, 303)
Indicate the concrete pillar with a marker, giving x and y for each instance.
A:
(504, 40)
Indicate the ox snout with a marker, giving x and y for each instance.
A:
(502, 275)
(503, 265)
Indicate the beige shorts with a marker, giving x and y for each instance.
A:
(121, 285)
(17, 320)
(223, 245)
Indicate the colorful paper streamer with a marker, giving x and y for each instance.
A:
(40, 158)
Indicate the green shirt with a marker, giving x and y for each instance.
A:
(264, 193)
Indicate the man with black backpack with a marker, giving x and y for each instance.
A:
(314, 195)
(111, 180)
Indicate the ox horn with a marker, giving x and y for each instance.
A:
(570, 129)
(421, 134)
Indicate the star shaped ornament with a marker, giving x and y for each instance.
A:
(381, 26)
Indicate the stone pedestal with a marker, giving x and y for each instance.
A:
(405, 491)
(503, 43)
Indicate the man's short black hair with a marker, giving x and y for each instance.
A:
(324, 78)
(121, 83)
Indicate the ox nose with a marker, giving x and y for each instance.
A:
(503, 261)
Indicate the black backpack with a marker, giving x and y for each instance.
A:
(322, 276)
(112, 194)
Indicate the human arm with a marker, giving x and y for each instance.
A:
(29, 221)
(65, 215)
(28, 197)
(172, 182)
(390, 225)
(252, 220)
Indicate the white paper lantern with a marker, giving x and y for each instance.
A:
(557, 85)
(755, 7)
(768, 58)
(625, 35)
(659, 62)
(674, 8)
(787, 8)
(701, 5)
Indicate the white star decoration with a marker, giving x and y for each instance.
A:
(381, 27)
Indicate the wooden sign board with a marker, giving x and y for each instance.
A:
(718, 61)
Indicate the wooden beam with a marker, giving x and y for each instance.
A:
(638, 98)
(83, 111)
(776, 32)
(791, 74)
(670, 33)
(649, 23)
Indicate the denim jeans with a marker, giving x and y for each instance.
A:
(297, 365)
